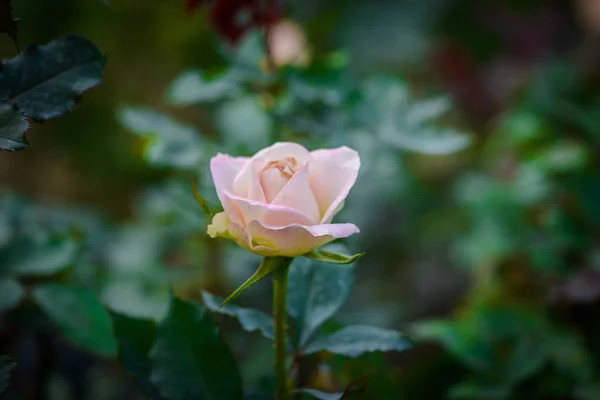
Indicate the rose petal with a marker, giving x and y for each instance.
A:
(294, 240)
(332, 175)
(271, 214)
(272, 181)
(297, 194)
(224, 169)
(255, 190)
(278, 151)
(221, 226)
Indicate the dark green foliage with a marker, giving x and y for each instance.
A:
(135, 338)
(8, 24)
(355, 340)
(38, 257)
(79, 315)
(250, 319)
(13, 126)
(357, 389)
(315, 292)
(190, 360)
(11, 293)
(47, 81)
(6, 366)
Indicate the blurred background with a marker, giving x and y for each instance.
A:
(478, 126)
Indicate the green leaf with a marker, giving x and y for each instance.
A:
(171, 143)
(250, 319)
(11, 293)
(47, 81)
(436, 141)
(45, 257)
(190, 360)
(315, 292)
(193, 87)
(79, 315)
(317, 394)
(13, 126)
(355, 390)
(460, 339)
(355, 340)
(424, 111)
(6, 366)
(8, 24)
(476, 391)
(244, 124)
(332, 257)
(268, 265)
(135, 338)
(135, 297)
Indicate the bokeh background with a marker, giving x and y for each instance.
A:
(485, 251)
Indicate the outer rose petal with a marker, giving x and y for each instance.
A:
(294, 240)
(275, 152)
(222, 226)
(298, 195)
(332, 175)
(270, 214)
(224, 169)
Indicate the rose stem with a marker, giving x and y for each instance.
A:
(279, 298)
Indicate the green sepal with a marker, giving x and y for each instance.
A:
(201, 202)
(331, 257)
(268, 265)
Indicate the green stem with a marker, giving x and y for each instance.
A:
(279, 314)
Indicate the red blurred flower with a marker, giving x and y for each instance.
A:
(191, 5)
(232, 18)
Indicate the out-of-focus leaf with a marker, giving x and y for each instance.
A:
(133, 299)
(525, 360)
(13, 126)
(6, 366)
(193, 87)
(587, 391)
(355, 390)
(190, 360)
(79, 315)
(474, 391)
(33, 257)
(268, 265)
(244, 124)
(429, 140)
(250, 319)
(47, 81)
(250, 51)
(567, 352)
(11, 293)
(315, 292)
(355, 340)
(460, 340)
(135, 338)
(332, 257)
(8, 24)
(317, 394)
(171, 144)
(424, 111)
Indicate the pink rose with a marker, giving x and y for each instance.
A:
(281, 201)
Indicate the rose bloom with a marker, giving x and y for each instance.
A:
(281, 201)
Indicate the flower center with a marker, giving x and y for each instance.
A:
(275, 175)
